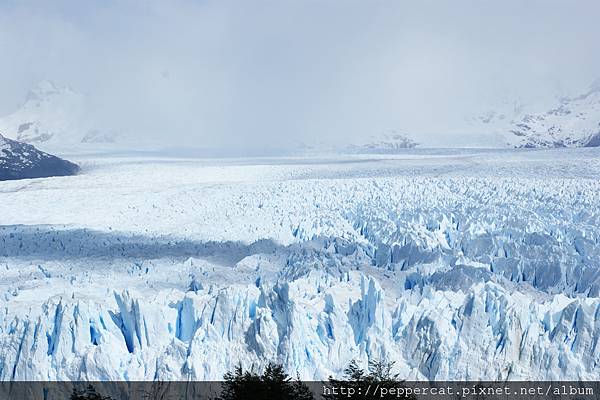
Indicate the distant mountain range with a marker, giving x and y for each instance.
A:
(56, 117)
(386, 143)
(52, 116)
(21, 161)
(375, 144)
(571, 122)
(574, 122)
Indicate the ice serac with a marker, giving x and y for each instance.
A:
(468, 274)
(21, 161)
(432, 335)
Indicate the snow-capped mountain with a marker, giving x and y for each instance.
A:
(54, 116)
(21, 161)
(497, 120)
(575, 122)
(503, 112)
(374, 144)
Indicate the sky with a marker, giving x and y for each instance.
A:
(272, 73)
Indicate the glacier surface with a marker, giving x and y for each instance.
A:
(455, 264)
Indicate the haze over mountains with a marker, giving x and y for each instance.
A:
(54, 116)
(58, 117)
(574, 122)
(569, 121)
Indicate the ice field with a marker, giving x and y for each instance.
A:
(456, 264)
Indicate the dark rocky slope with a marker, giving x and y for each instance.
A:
(21, 161)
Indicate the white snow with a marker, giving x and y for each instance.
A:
(53, 117)
(574, 122)
(568, 121)
(455, 264)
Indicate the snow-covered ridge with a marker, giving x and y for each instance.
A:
(20, 161)
(386, 143)
(498, 117)
(575, 122)
(53, 116)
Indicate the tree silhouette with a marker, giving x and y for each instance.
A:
(89, 393)
(272, 383)
(355, 380)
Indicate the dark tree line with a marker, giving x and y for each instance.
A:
(272, 383)
(87, 393)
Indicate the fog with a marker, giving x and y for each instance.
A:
(256, 73)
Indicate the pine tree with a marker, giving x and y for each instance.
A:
(89, 393)
(301, 391)
(356, 379)
(380, 371)
(273, 383)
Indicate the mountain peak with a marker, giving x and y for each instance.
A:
(44, 89)
(55, 117)
(384, 143)
(595, 86)
(574, 122)
(46, 85)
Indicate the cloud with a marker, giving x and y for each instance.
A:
(254, 73)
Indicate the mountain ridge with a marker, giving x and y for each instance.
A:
(23, 161)
(574, 122)
(54, 116)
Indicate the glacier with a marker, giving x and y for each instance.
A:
(456, 264)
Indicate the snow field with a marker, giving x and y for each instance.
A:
(456, 267)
